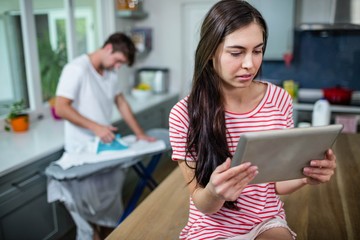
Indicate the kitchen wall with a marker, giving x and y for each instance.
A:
(165, 18)
(318, 61)
(321, 59)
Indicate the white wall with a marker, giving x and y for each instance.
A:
(167, 50)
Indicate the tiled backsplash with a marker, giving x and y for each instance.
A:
(321, 59)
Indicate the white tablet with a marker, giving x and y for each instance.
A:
(282, 154)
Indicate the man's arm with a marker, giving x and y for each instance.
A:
(126, 112)
(65, 110)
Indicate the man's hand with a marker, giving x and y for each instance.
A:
(146, 138)
(105, 133)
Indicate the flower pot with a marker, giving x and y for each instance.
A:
(20, 123)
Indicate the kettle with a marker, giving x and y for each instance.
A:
(157, 78)
(321, 113)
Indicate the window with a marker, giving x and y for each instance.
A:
(13, 76)
(36, 81)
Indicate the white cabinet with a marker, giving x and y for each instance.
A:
(279, 16)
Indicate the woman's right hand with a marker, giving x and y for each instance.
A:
(228, 182)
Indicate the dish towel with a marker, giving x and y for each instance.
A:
(91, 153)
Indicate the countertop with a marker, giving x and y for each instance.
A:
(46, 136)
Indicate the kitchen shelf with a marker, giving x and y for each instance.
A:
(129, 14)
(333, 108)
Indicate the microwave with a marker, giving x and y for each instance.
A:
(157, 78)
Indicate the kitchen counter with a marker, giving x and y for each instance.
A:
(46, 136)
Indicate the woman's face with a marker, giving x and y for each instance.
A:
(239, 57)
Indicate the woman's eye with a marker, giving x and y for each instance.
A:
(235, 54)
(258, 52)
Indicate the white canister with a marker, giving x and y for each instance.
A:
(321, 113)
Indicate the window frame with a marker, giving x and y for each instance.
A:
(37, 108)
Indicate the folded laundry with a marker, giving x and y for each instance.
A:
(127, 149)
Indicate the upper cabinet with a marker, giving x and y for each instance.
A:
(279, 16)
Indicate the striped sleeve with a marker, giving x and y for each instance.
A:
(178, 129)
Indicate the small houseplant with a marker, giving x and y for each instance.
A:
(17, 119)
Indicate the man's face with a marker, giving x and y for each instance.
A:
(114, 60)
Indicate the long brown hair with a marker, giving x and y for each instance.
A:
(206, 140)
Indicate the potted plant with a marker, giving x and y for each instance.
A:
(17, 119)
(51, 64)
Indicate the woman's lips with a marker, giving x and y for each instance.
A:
(246, 77)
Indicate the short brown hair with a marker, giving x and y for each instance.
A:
(122, 43)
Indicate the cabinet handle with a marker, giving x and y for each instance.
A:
(23, 182)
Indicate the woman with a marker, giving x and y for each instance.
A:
(205, 127)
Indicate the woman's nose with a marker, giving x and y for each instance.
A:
(248, 61)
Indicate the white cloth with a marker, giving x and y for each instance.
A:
(88, 154)
(262, 227)
(93, 96)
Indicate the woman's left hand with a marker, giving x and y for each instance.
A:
(320, 171)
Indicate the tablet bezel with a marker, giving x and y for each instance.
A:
(289, 150)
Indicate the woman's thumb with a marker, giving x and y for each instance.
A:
(224, 166)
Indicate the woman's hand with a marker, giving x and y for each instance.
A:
(320, 171)
(227, 182)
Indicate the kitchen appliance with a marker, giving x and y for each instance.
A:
(334, 15)
(321, 113)
(157, 78)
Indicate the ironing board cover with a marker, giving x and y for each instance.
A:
(84, 170)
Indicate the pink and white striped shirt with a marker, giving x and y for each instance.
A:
(257, 202)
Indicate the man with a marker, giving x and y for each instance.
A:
(86, 93)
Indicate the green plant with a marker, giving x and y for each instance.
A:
(15, 109)
(51, 64)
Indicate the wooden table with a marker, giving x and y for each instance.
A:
(328, 211)
(332, 210)
(161, 215)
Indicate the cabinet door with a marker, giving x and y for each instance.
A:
(316, 11)
(24, 210)
(279, 16)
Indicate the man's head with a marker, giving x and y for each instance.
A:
(121, 49)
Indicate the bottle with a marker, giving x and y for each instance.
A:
(321, 113)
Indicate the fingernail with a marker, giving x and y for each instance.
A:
(247, 164)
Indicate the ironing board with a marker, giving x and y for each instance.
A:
(144, 172)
